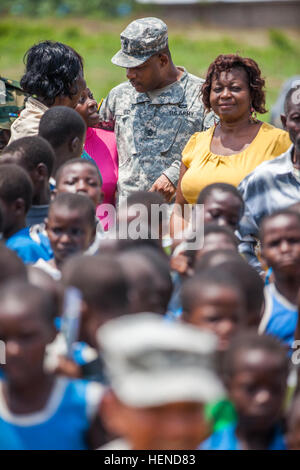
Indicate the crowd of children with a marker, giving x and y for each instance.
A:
(124, 338)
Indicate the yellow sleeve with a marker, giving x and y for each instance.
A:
(282, 143)
(188, 152)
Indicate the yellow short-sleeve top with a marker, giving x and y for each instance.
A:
(205, 167)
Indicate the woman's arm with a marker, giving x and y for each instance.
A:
(179, 221)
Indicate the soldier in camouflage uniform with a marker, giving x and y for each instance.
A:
(154, 113)
(11, 104)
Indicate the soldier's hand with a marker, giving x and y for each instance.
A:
(164, 186)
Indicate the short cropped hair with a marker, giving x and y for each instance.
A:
(101, 281)
(193, 288)
(15, 183)
(81, 161)
(248, 341)
(226, 62)
(289, 96)
(33, 150)
(11, 265)
(25, 292)
(267, 218)
(213, 228)
(222, 187)
(78, 202)
(61, 124)
(51, 71)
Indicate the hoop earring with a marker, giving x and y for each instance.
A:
(253, 116)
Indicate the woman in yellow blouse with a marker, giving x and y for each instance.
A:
(238, 143)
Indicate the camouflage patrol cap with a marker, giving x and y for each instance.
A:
(140, 40)
(11, 101)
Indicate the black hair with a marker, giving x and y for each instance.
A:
(222, 187)
(192, 289)
(78, 202)
(11, 265)
(81, 161)
(61, 124)
(247, 341)
(288, 97)
(153, 281)
(250, 281)
(267, 218)
(1, 220)
(25, 292)
(215, 258)
(147, 199)
(15, 183)
(51, 71)
(101, 280)
(213, 228)
(33, 150)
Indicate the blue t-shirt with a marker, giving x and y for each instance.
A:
(280, 316)
(226, 439)
(63, 423)
(29, 250)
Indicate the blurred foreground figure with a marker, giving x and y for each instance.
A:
(161, 375)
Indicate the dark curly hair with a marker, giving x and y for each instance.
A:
(225, 62)
(51, 70)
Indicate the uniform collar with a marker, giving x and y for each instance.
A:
(172, 95)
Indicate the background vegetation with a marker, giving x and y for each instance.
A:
(96, 37)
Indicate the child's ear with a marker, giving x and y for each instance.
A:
(53, 194)
(19, 206)
(74, 144)
(111, 413)
(46, 221)
(42, 171)
(283, 120)
(263, 261)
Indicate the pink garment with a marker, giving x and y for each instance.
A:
(102, 148)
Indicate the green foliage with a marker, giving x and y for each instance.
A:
(97, 41)
(280, 40)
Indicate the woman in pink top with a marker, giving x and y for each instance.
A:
(101, 146)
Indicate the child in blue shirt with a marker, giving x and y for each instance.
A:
(280, 242)
(15, 199)
(255, 373)
(41, 410)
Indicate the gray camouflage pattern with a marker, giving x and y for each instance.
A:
(140, 40)
(151, 134)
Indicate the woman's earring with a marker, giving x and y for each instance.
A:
(253, 116)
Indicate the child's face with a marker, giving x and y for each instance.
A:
(222, 208)
(257, 388)
(81, 178)
(68, 231)
(281, 245)
(174, 426)
(221, 311)
(25, 336)
(216, 241)
(87, 108)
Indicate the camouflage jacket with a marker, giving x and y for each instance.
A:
(151, 133)
(11, 101)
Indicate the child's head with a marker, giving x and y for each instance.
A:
(146, 206)
(15, 197)
(26, 327)
(36, 156)
(87, 108)
(280, 243)
(70, 225)
(293, 424)
(104, 288)
(80, 176)
(217, 238)
(255, 373)
(223, 204)
(54, 73)
(65, 130)
(214, 300)
(215, 258)
(252, 286)
(11, 265)
(150, 281)
(161, 375)
(40, 278)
